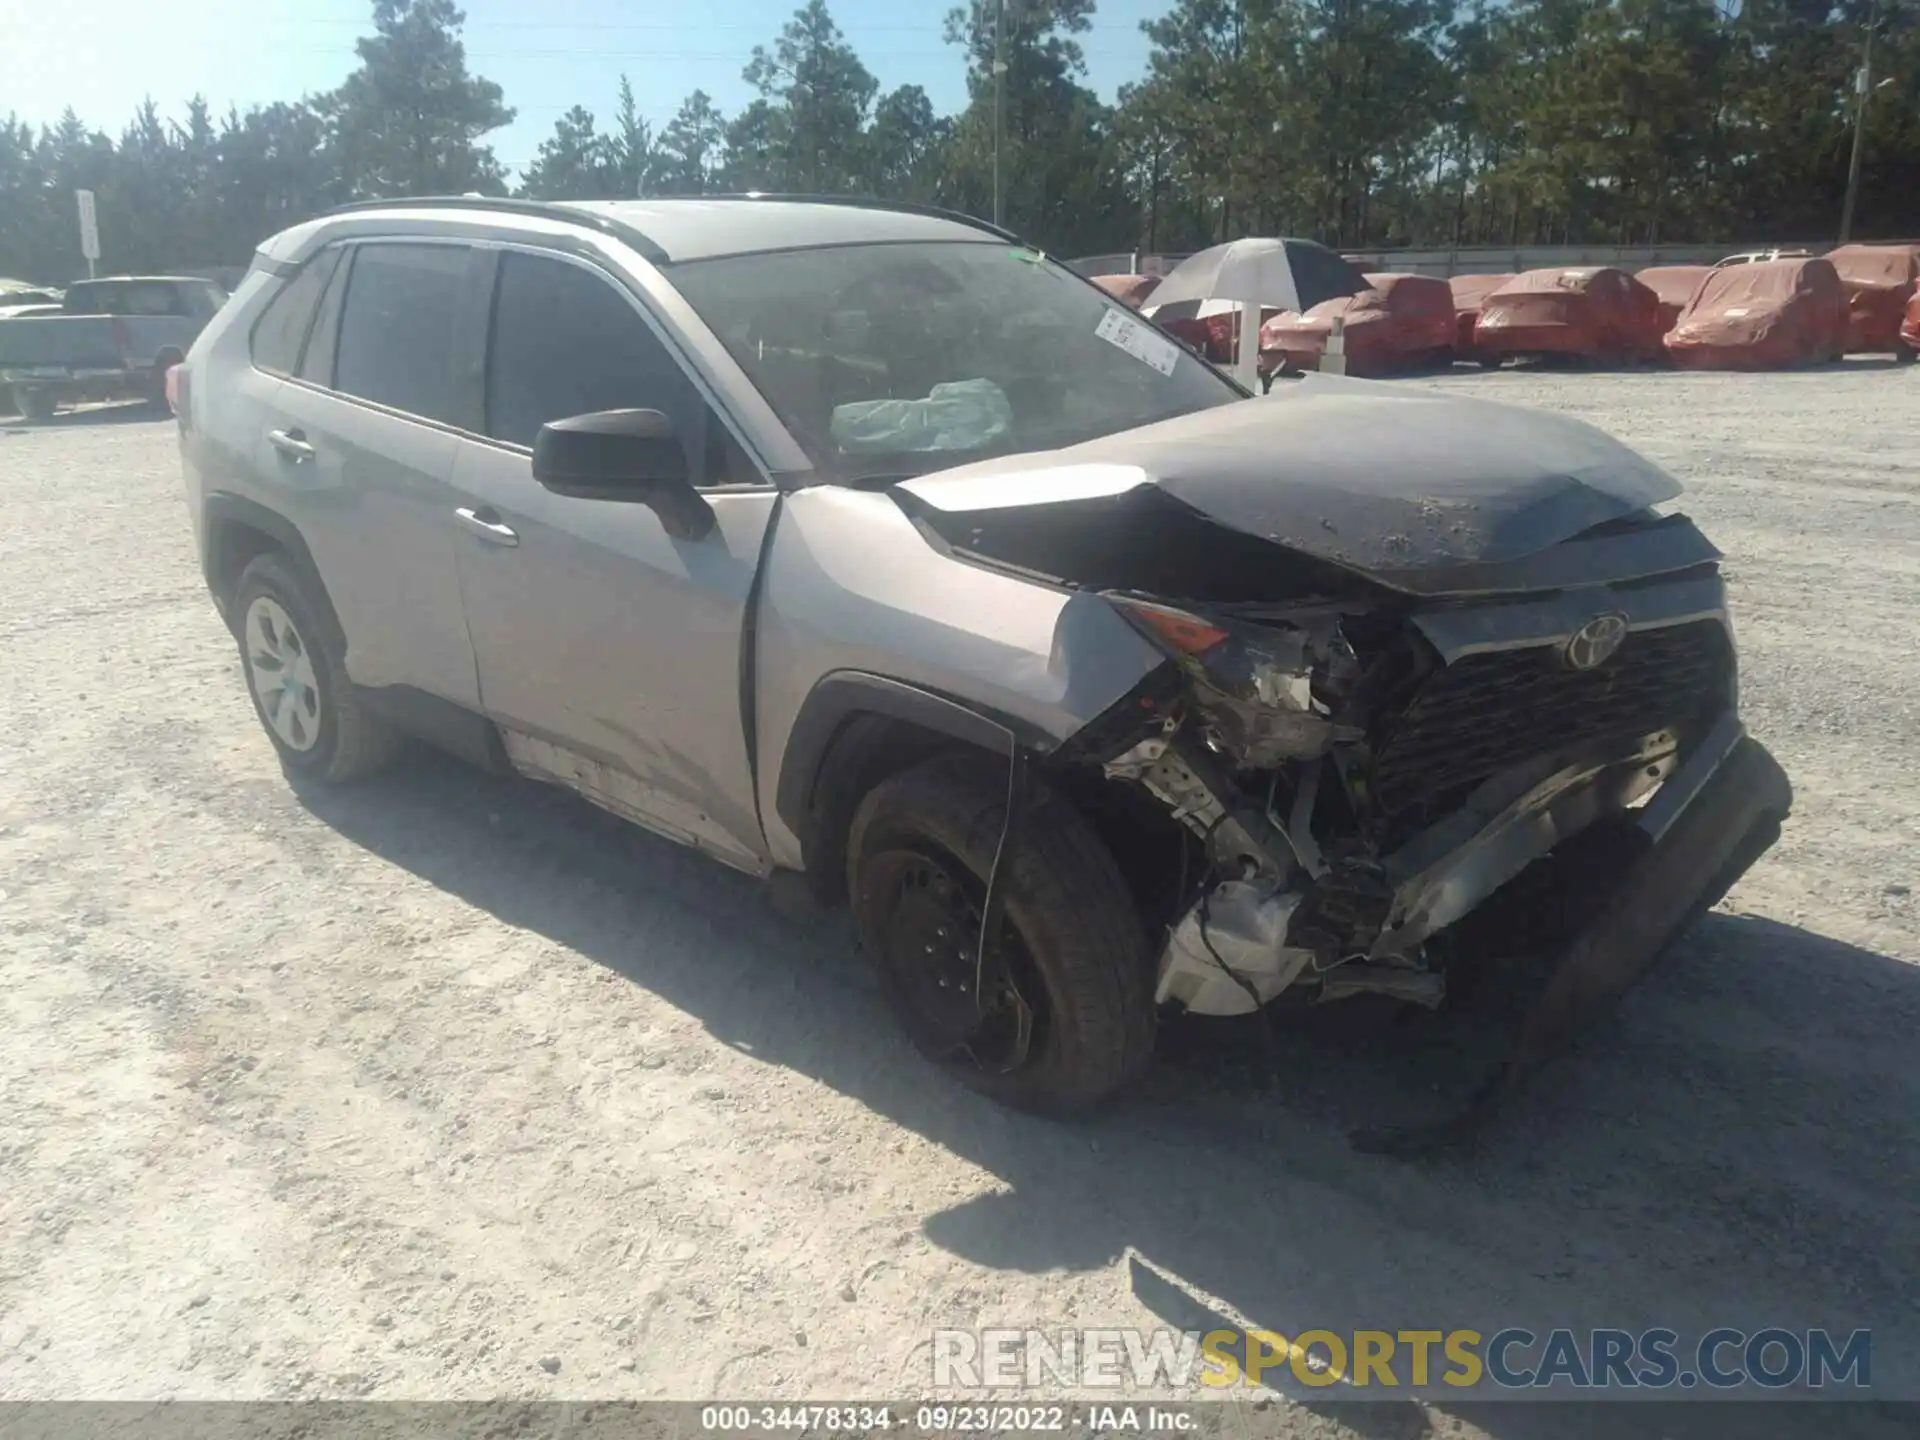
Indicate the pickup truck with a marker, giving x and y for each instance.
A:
(113, 339)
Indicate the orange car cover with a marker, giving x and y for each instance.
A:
(1468, 293)
(1594, 312)
(1674, 285)
(1216, 336)
(1399, 322)
(1763, 316)
(1879, 281)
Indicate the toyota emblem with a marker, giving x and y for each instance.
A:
(1594, 643)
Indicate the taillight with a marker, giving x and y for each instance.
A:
(179, 392)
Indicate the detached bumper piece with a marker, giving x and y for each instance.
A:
(1698, 834)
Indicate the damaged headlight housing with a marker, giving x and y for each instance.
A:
(1253, 684)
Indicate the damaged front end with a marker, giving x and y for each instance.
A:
(1449, 705)
(1390, 794)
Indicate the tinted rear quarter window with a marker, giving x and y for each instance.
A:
(396, 337)
(280, 333)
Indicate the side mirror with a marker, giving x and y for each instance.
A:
(627, 455)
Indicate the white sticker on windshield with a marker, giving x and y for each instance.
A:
(1139, 341)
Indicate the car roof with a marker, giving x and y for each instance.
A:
(700, 229)
(143, 280)
(672, 229)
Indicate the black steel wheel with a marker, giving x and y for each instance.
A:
(928, 946)
(1060, 1016)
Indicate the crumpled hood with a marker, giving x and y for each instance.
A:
(1370, 477)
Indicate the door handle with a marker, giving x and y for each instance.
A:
(485, 523)
(291, 443)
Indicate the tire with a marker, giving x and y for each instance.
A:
(317, 724)
(1904, 354)
(1076, 949)
(33, 405)
(156, 393)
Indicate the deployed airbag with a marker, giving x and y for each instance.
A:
(959, 415)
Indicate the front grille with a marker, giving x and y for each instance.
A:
(1484, 713)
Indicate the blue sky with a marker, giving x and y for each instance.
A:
(103, 57)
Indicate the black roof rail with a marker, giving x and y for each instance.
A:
(576, 214)
(860, 202)
(540, 209)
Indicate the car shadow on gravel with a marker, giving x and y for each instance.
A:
(1735, 1148)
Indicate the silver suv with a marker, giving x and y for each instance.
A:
(865, 544)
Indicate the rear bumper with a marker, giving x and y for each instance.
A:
(1704, 828)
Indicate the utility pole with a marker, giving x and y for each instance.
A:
(999, 99)
(1862, 88)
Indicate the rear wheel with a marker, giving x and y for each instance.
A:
(298, 680)
(1067, 1015)
(1904, 354)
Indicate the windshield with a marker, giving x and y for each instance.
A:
(896, 360)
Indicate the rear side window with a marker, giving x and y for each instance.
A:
(281, 331)
(397, 329)
(566, 342)
(127, 297)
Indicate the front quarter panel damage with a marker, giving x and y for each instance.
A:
(852, 585)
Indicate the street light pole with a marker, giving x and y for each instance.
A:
(999, 99)
(1862, 88)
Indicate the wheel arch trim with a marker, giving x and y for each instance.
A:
(842, 694)
(223, 511)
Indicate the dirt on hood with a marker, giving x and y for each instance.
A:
(1367, 477)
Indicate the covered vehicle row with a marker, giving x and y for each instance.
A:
(1771, 310)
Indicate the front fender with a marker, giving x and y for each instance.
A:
(851, 588)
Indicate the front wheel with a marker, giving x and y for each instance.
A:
(1904, 354)
(1065, 1018)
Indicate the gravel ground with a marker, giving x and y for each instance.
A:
(452, 1087)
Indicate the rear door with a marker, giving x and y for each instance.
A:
(362, 452)
(609, 652)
